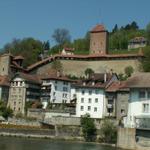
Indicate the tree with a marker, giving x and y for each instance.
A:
(128, 71)
(46, 45)
(108, 132)
(88, 72)
(4, 111)
(57, 65)
(29, 48)
(88, 128)
(148, 33)
(61, 36)
(146, 60)
(115, 29)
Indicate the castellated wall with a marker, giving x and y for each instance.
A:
(77, 67)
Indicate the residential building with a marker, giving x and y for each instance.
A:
(117, 99)
(56, 89)
(137, 42)
(99, 40)
(11, 64)
(4, 88)
(23, 88)
(67, 51)
(139, 101)
(90, 95)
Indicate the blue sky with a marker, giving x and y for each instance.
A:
(39, 18)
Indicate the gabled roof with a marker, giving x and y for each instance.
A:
(117, 86)
(139, 80)
(27, 77)
(98, 28)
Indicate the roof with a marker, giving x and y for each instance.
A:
(27, 77)
(4, 80)
(98, 28)
(139, 80)
(117, 86)
(96, 80)
(83, 57)
(138, 39)
(69, 49)
(56, 77)
(19, 57)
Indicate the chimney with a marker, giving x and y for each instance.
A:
(105, 77)
(58, 73)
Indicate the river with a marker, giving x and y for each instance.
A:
(13, 143)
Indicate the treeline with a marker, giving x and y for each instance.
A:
(32, 50)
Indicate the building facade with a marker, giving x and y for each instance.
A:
(137, 42)
(55, 90)
(139, 101)
(99, 40)
(23, 88)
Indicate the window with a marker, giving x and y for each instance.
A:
(89, 108)
(148, 94)
(64, 95)
(55, 88)
(96, 100)
(14, 103)
(19, 108)
(96, 92)
(145, 108)
(65, 89)
(20, 83)
(55, 82)
(142, 94)
(95, 109)
(54, 93)
(65, 83)
(82, 100)
(82, 108)
(89, 100)
(83, 92)
(122, 111)
(90, 92)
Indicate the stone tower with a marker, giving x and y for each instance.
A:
(5, 64)
(99, 40)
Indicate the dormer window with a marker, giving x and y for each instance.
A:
(93, 83)
(84, 83)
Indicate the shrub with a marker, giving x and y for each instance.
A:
(88, 128)
(108, 132)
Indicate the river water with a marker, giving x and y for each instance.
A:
(13, 143)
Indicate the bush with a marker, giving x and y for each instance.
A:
(88, 128)
(108, 132)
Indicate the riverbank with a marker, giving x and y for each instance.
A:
(46, 134)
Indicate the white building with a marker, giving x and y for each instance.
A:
(139, 101)
(90, 95)
(23, 88)
(55, 89)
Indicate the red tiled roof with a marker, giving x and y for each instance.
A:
(4, 80)
(117, 86)
(68, 49)
(98, 28)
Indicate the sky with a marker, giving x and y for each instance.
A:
(39, 18)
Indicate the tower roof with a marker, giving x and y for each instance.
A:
(98, 28)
